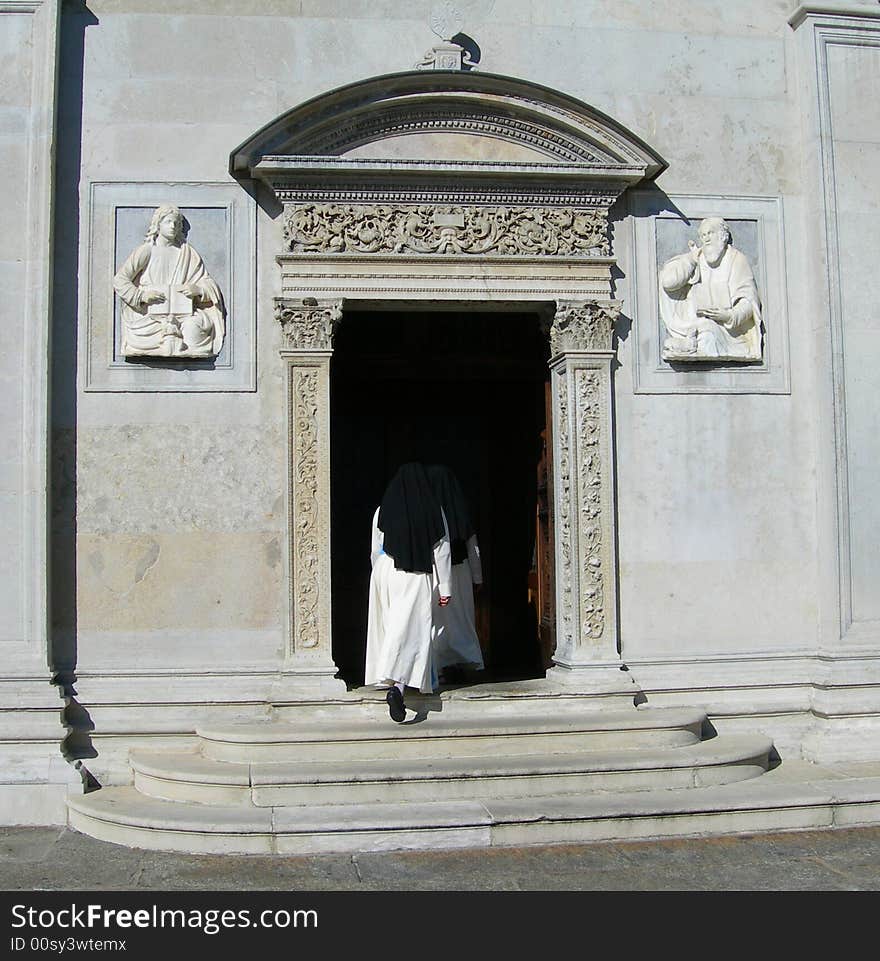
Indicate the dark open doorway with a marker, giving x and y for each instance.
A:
(473, 387)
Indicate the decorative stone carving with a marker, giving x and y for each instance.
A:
(171, 307)
(582, 326)
(563, 513)
(709, 301)
(306, 512)
(446, 21)
(307, 324)
(441, 229)
(451, 118)
(588, 391)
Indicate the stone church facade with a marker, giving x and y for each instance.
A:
(505, 243)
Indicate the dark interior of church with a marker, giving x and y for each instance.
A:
(468, 390)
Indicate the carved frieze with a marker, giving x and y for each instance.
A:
(445, 229)
(307, 325)
(588, 393)
(305, 508)
(582, 326)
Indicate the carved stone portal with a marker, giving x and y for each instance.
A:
(455, 226)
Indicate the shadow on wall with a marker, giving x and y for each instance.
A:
(76, 18)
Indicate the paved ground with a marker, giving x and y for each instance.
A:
(35, 859)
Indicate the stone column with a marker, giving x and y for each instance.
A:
(307, 328)
(586, 557)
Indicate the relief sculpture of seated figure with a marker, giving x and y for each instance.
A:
(709, 301)
(170, 305)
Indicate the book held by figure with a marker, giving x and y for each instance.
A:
(175, 302)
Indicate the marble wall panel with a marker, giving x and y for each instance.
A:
(10, 567)
(853, 73)
(222, 222)
(215, 582)
(179, 477)
(715, 529)
(747, 17)
(660, 227)
(27, 49)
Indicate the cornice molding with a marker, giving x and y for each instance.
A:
(827, 11)
(483, 106)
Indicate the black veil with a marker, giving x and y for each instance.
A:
(410, 519)
(450, 496)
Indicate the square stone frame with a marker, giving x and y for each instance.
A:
(99, 371)
(651, 375)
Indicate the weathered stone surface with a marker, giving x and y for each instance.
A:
(201, 580)
(180, 478)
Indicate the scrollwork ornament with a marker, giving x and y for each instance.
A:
(565, 573)
(583, 327)
(588, 388)
(419, 229)
(306, 326)
(306, 559)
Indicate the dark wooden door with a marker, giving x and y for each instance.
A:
(543, 583)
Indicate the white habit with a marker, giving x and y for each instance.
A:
(455, 634)
(399, 622)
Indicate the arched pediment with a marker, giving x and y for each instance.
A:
(449, 116)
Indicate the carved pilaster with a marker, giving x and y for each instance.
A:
(562, 473)
(307, 330)
(306, 508)
(581, 340)
(591, 476)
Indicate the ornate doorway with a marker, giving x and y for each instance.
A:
(464, 191)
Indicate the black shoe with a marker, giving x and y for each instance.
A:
(395, 704)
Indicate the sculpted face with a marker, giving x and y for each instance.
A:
(714, 238)
(171, 227)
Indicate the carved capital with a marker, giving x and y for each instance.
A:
(582, 326)
(414, 229)
(307, 324)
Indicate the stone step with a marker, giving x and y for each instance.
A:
(475, 699)
(191, 777)
(451, 734)
(776, 801)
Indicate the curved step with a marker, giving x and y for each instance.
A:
(124, 816)
(190, 777)
(445, 735)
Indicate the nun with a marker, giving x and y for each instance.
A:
(454, 637)
(411, 577)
